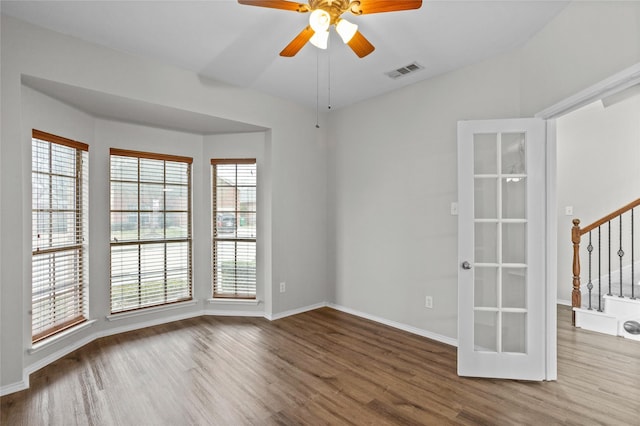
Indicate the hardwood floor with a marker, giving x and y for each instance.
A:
(319, 367)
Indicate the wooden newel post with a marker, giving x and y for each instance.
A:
(576, 297)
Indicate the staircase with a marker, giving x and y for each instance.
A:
(608, 300)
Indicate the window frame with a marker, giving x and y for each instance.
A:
(217, 238)
(141, 242)
(58, 300)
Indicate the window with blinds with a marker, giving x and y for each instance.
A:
(234, 228)
(59, 183)
(150, 230)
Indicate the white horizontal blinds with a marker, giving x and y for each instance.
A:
(234, 228)
(150, 230)
(59, 184)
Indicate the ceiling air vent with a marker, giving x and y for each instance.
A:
(408, 69)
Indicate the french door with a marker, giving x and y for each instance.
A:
(501, 246)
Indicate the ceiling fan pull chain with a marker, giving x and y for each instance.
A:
(329, 73)
(317, 87)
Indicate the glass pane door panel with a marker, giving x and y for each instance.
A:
(485, 154)
(514, 242)
(514, 332)
(485, 331)
(499, 197)
(485, 198)
(486, 243)
(514, 288)
(514, 196)
(513, 153)
(485, 291)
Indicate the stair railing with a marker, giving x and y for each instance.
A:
(615, 224)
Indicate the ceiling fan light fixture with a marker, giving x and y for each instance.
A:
(327, 13)
(320, 39)
(319, 20)
(346, 30)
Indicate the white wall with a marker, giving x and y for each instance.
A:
(379, 237)
(393, 160)
(395, 166)
(586, 43)
(598, 172)
(294, 148)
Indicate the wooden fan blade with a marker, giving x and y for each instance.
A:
(360, 45)
(379, 6)
(298, 42)
(277, 4)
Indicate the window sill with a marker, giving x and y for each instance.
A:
(145, 311)
(43, 344)
(253, 302)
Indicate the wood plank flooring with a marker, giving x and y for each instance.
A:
(319, 367)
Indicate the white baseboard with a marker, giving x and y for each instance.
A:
(30, 369)
(414, 330)
(563, 302)
(233, 313)
(284, 314)
(394, 324)
(15, 387)
(150, 323)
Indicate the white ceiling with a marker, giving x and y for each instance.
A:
(237, 44)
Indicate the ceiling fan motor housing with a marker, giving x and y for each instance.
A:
(335, 8)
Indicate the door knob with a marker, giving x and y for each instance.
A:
(466, 265)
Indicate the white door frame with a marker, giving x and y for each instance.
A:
(616, 83)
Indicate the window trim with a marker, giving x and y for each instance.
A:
(80, 244)
(141, 242)
(150, 155)
(219, 297)
(49, 137)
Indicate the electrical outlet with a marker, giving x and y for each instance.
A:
(428, 302)
(568, 210)
(283, 287)
(454, 208)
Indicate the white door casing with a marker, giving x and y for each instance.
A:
(501, 242)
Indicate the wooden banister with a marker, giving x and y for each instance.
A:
(610, 216)
(576, 233)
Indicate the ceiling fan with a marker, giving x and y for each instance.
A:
(325, 13)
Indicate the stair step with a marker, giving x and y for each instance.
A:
(621, 307)
(596, 321)
(617, 311)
